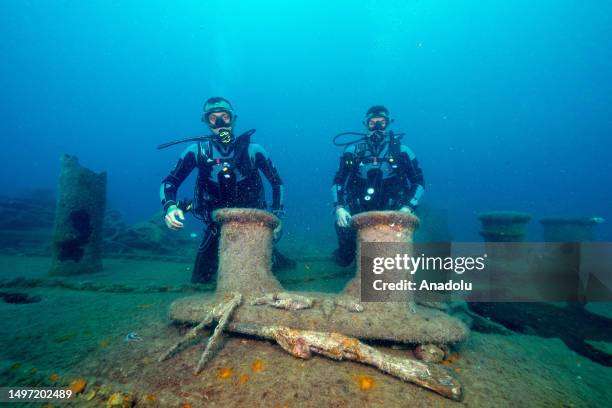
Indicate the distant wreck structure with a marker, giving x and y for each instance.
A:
(249, 300)
(504, 226)
(570, 229)
(79, 220)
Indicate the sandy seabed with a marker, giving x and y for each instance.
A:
(73, 334)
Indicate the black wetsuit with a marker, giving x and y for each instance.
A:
(374, 177)
(228, 176)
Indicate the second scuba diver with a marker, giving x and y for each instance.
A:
(228, 176)
(376, 172)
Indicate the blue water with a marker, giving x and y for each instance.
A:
(507, 105)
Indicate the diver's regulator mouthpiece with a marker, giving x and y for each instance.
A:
(225, 136)
(377, 136)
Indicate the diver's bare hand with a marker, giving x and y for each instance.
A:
(172, 218)
(343, 217)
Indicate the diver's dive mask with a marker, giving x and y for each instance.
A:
(377, 125)
(220, 121)
(376, 128)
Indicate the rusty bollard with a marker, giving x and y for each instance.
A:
(381, 227)
(245, 251)
(79, 220)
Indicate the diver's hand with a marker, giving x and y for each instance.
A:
(277, 233)
(172, 218)
(343, 217)
(407, 209)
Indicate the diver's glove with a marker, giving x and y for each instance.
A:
(407, 209)
(277, 233)
(343, 217)
(173, 215)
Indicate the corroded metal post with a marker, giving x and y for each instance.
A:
(79, 220)
(504, 226)
(567, 229)
(245, 268)
(500, 229)
(381, 227)
(245, 251)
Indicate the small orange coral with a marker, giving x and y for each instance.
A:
(451, 359)
(224, 373)
(350, 342)
(78, 386)
(186, 405)
(365, 382)
(54, 377)
(150, 398)
(244, 378)
(128, 401)
(258, 366)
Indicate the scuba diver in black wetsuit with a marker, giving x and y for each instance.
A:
(376, 172)
(228, 176)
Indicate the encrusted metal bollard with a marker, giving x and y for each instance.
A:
(381, 227)
(79, 220)
(567, 258)
(308, 324)
(245, 268)
(245, 251)
(504, 226)
(500, 230)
